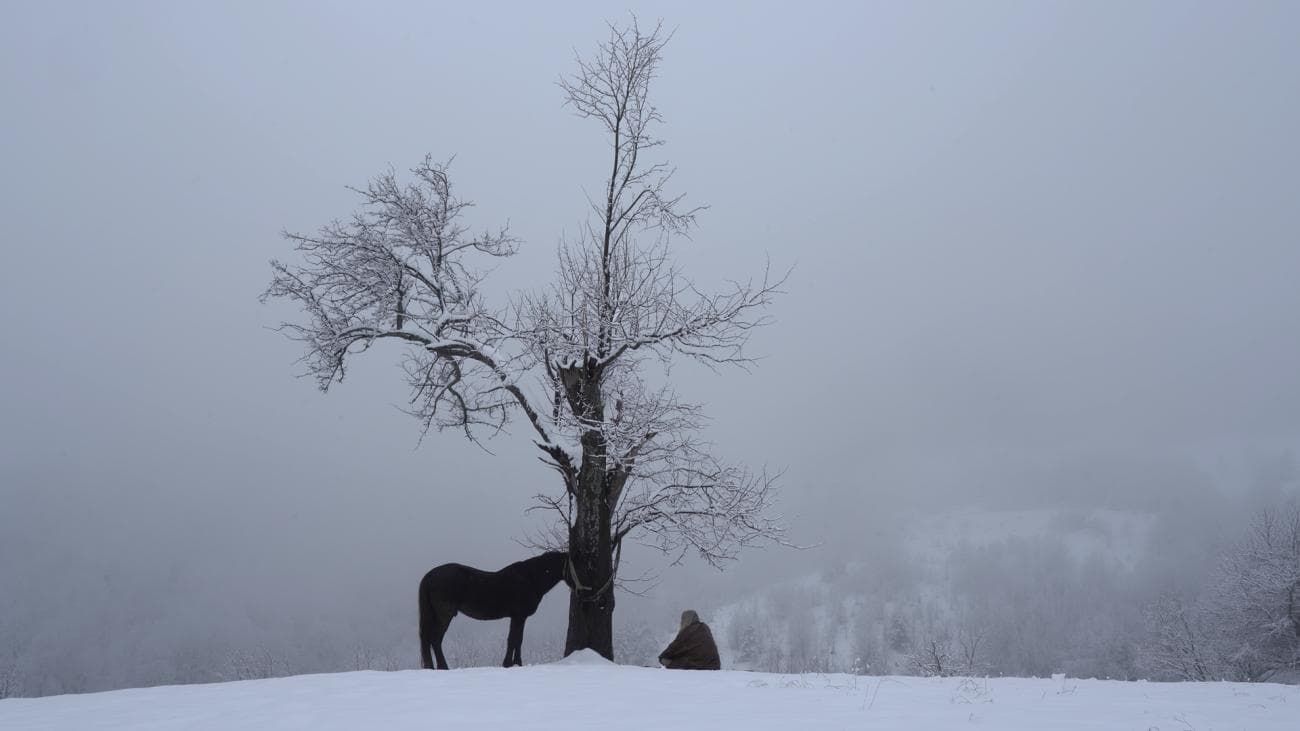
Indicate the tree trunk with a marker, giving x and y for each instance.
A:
(591, 609)
(591, 624)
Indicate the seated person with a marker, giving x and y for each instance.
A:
(693, 648)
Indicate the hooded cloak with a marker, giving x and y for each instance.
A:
(693, 648)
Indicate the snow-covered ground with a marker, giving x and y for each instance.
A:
(586, 692)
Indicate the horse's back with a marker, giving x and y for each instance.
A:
(464, 589)
(450, 571)
(452, 584)
(450, 576)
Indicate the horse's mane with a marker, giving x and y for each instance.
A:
(535, 563)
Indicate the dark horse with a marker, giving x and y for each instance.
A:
(514, 592)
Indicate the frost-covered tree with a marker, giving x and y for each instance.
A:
(1246, 624)
(746, 641)
(571, 361)
(1254, 602)
(11, 659)
(639, 644)
(1176, 646)
(932, 656)
(9, 677)
(254, 663)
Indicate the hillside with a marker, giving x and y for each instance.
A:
(1024, 592)
(586, 692)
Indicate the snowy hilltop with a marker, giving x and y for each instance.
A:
(585, 693)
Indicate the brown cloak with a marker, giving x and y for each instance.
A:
(692, 649)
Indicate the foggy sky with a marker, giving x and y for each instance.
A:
(1026, 237)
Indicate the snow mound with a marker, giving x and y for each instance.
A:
(584, 657)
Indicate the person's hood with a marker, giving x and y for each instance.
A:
(689, 617)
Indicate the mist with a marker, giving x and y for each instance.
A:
(1043, 263)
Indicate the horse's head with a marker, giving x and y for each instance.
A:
(557, 567)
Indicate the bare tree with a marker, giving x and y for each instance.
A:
(572, 360)
(932, 657)
(971, 640)
(1176, 646)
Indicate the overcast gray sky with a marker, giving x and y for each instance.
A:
(1024, 235)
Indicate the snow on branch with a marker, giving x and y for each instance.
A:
(640, 301)
(699, 505)
(399, 270)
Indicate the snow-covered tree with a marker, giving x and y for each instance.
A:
(1176, 646)
(571, 361)
(254, 663)
(1246, 624)
(933, 655)
(9, 678)
(746, 640)
(639, 644)
(1254, 601)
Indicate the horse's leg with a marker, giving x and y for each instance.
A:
(514, 642)
(433, 627)
(444, 618)
(426, 657)
(519, 642)
(428, 622)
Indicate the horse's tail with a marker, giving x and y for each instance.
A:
(427, 630)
